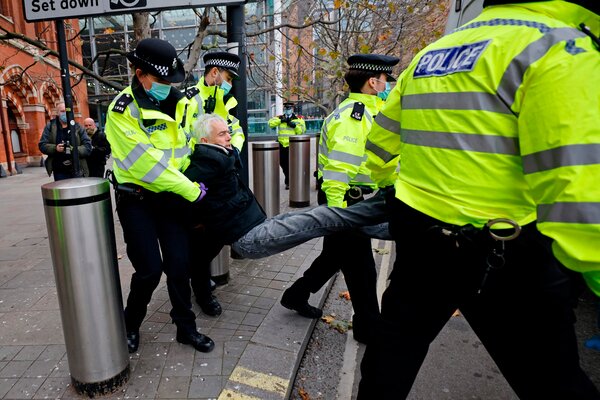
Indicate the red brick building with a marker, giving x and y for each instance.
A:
(30, 85)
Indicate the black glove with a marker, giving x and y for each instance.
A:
(291, 124)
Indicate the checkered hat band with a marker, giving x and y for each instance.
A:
(372, 67)
(217, 62)
(161, 69)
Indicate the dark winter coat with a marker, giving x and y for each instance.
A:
(47, 145)
(229, 208)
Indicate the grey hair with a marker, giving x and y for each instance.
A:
(203, 125)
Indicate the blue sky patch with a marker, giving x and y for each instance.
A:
(442, 62)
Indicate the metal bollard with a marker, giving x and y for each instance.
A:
(81, 233)
(265, 160)
(299, 171)
(219, 266)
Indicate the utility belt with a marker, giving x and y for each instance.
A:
(355, 194)
(125, 190)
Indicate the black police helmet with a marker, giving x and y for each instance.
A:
(159, 58)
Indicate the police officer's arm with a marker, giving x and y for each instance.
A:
(237, 133)
(345, 154)
(274, 122)
(383, 142)
(559, 138)
(300, 126)
(85, 143)
(144, 164)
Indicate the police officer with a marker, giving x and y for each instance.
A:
(288, 124)
(145, 128)
(211, 94)
(344, 180)
(496, 203)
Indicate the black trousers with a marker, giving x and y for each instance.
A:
(204, 247)
(523, 315)
(157, 242)
(284, 162)
(353, 255)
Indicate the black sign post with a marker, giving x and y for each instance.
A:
(65, 77)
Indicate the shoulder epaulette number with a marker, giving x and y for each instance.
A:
(358, 111)
(122, 102)
(191, 92)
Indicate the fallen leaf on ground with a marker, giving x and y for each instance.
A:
(456, 313)
(338, 325)
(345, 295)
(119, 256)
(381, 251)
(303, 394)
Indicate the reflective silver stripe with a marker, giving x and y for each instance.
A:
(179, 152)
(379, 152)
(234, 120)
(362, 178)
(462, 141)
(135, 154)
(236, 131)
(513, 76)
(336, 176)
(337, 155)
(388, 123)
(368, 116)
(157, 169)
(575, 213)
(574, 154)
(198, 99)
(135, 113)
(453, 101)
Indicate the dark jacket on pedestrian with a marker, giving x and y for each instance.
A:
(100, 153)
(229, 208)
(48, 142)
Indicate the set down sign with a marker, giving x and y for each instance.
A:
(41, 10)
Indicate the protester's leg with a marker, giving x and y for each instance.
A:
(425, 287)
(141, 238)
(524, 317)
(284, 162)
(291, 229)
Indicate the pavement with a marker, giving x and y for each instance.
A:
(259, 344)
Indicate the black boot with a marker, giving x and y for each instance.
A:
(296, 298)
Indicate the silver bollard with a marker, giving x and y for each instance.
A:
(299, 171)
(219, 266)
(82, 244)
(265, 160)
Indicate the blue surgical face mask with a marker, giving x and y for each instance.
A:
(226, 86)
(63, 117)
(159, 91)
(384, 95)
(288, 112)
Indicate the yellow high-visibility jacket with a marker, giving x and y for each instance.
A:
(149, 148)
(501, 118)
(284, 131)
(198, 95)
(342, 146)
